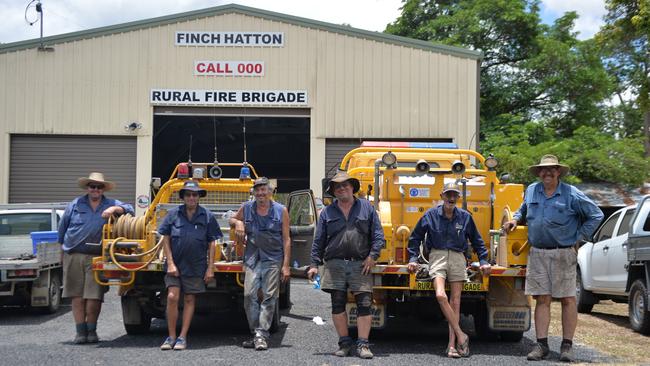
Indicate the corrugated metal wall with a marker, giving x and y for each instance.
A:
(335, 150)
(46, 168)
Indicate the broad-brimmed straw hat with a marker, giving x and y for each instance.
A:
(192, 186)
(549, 161)
(341, 177)
(95, 177)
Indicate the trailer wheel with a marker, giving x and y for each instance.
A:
(285, 297)
(638, 307)
(136, 321)
(585, 299)
(511, 336)
(54, 293)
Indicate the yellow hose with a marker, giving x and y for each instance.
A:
(154, 250)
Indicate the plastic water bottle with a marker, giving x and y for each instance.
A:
(317, 282)
(295, 264)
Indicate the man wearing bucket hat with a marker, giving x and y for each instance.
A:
(558, 216)
(81, 225)
(264, 224)
(347, 244)
(447, 230)
(189, 234)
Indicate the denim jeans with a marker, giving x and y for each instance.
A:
(265, 278)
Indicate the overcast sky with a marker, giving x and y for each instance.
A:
(64, 16)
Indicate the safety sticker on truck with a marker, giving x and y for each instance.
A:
(419, 192)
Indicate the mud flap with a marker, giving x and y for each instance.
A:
(40, 290)
(378, 312)
(508, 308)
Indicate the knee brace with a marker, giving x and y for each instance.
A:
(339, 299)
(364, 302)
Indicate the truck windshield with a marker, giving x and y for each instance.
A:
(24, 223)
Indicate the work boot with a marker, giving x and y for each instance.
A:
(260, 343)
(344, 349)
(363, 350)
(80, 338)
(566, 352)
(92, 337)
(538, 353)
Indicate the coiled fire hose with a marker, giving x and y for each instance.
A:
(127, 227)
(153, 251)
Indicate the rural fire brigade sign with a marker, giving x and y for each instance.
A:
(229, 97)
(229, 68)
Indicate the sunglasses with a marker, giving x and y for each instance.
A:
(336, 186)
(96, 186)
(191, 194)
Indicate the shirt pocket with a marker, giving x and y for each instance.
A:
(560, 214)
(363, 226)
(78, 216)
(334, 226)
(533, 211)
(274, 225)
(177, 230)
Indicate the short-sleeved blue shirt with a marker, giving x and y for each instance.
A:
(190, 239)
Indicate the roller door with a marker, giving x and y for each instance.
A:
(45, 168)
(335, 150)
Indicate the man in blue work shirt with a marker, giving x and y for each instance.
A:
(448, 229)
(264, 224)
(558, 217)
(347, 243)
(82, 224)
(189, 238)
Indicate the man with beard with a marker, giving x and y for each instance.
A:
(264, 224)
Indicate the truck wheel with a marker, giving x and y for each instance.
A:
(638, 307)
(511, 336)
(585, 299)
(285, 297)
(275, 325)
(481, 324)
(139, 322)
(53, 294)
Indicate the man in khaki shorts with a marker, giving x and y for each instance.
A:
(558, 217)
(81, 224)
(448, 229)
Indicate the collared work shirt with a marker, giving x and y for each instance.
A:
(358, 236)
(80, 224)
(263, 234)
(444, 233)
(190, 238)
(559, 220)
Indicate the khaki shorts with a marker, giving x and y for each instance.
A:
(551, 272)
(188, 285)
(447, 264)
(78, 279)
(344, 275)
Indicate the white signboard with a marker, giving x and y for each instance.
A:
(229, 97)
(229, 68)
(230, 39)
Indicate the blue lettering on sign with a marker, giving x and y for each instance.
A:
(414, 192)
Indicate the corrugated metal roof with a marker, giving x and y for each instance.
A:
(613, 195)
(236, 8)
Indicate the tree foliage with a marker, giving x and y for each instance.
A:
(542, 89)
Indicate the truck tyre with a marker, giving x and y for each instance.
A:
(275, 325)
(54, 293)
(584, 298)
(481, 324)
(511, 336)
(285, 297)
(638, 307)
(129, 305)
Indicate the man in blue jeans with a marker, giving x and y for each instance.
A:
(265, 226)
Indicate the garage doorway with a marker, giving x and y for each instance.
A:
(277, 145)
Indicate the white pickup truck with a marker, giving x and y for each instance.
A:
(30, 275)
(615, 265)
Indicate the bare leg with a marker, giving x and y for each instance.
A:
(93, 308)
(364, 323)
(173, 293)
(543, 315)
(79, 309)
(447, 310)
(189, 301)
(456, 288)
(341, 323)
(569, 317)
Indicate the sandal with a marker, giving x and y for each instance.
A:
(452, 353)
(463, 348)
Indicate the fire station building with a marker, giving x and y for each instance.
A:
(290, 95)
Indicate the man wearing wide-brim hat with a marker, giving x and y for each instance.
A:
(189, 235)
(558, 216)
(81, 224)
(347, 244)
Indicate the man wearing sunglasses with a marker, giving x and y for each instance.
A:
(558, 217)
(189, 235)
(81, 225)
(347, 244)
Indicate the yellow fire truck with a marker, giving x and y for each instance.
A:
(402, 181)
(132, 256)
